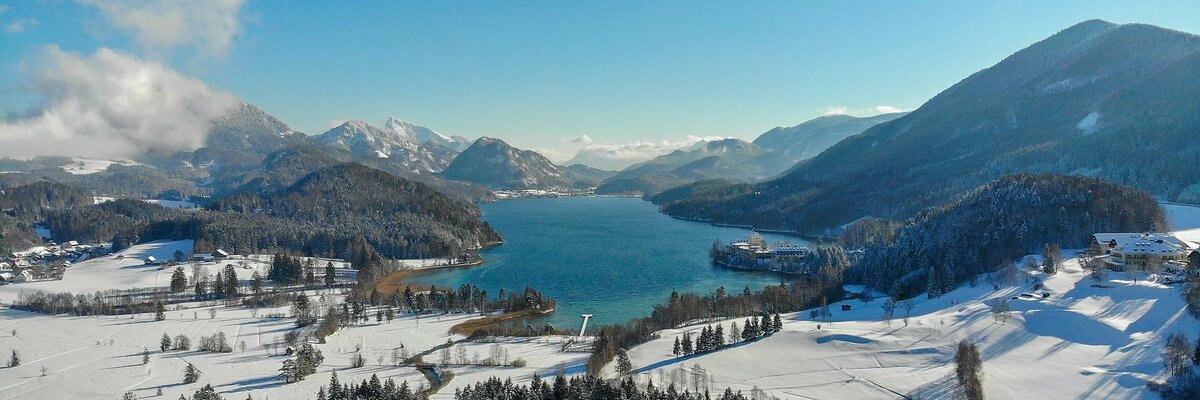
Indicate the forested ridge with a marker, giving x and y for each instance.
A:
(998, 223)
(1098, 99)
(324, 213)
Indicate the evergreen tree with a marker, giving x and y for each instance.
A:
(231, 282)
(686, 349)
(200, 284)
(676, 350)
(330, 279)
(160, 313)
(145, 356)
(719, 336)
(623, 365)
(218, 285)
(164, 343)
(288, 372)
(14, 360)
(190, 374)
(335, 388)
(735, 334)
(178, 280)
(206, 393)
(777, 324)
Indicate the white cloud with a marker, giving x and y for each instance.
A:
(19, 25)
(207, 25)
(581, 139)
(112, 104)
(554, 155)
(888, 109)
(841, 110)
(836, 110)
(619, 156)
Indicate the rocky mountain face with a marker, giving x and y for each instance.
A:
(423, 135)
(734, 160)
(395, 143)
(1097, 99)
(493, 163)
(240, 139)
(810, 138)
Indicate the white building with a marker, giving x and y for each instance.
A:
(24, 276)
(1141, 250)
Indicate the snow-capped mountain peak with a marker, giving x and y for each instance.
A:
(422, 135)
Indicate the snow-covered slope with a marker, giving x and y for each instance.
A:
(423, 135)
(495, 164)
(395, 143)
(1087, 340)
(810, 138)
(1081, 342)
(85, 166)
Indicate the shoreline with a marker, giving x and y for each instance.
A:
(469, 327)
(745, 269)
(798, 234)
(393, 282)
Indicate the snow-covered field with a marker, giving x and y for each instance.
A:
(84, 166)
(100, 357)
(182, 204)
(1083, 341)
(127, 270)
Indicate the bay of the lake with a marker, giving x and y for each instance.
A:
(612, 257)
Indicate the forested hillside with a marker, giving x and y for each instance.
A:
(1098, 99)
(328, 212)
(990, 226)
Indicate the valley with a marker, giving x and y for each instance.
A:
(597, 201)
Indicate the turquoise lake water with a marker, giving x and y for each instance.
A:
(611, 257)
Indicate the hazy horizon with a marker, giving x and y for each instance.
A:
(611, 78)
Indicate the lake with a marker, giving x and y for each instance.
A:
(613, 257)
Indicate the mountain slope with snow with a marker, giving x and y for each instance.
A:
(1099, 99)
(810, 138)
(423, 135)
(493, 163)
(734, 160)
(366, 140)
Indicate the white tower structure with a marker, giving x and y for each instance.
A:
(582, 330)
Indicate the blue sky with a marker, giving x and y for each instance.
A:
(538, 73)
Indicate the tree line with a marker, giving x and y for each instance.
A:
(682, 309)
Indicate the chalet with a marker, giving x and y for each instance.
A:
(23, 276)
(220, 254)
(1143, 251)
(7, 277)
(151, 261)
(203, 257)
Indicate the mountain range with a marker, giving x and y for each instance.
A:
(493, 163)
(730, 159)
(810, 138)
(1097, 99)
